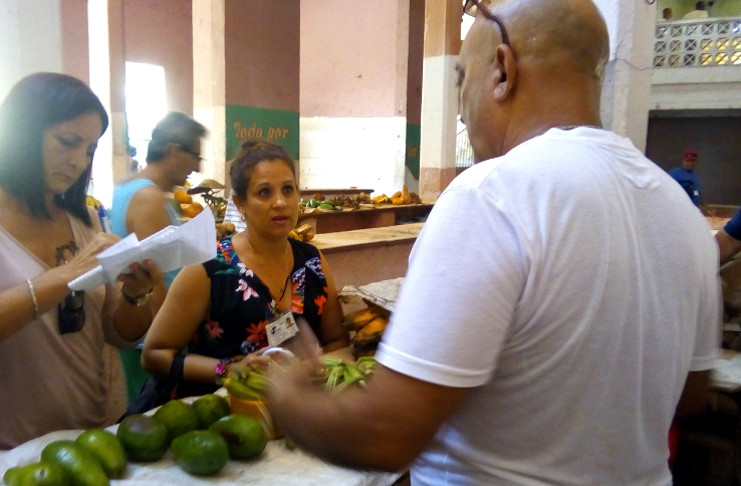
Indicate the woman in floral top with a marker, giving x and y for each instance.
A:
(221, 309)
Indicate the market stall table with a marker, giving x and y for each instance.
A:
(276, 465)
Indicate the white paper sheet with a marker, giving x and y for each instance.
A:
(170, 248)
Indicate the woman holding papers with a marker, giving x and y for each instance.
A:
(255, 290)
(59, 370)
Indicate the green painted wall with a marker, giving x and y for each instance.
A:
(720, 8)
(248, 122)
(412, 155)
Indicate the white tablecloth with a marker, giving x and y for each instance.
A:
(276, 466)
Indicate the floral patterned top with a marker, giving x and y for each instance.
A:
(242, 305)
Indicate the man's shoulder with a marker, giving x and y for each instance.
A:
(129, 186)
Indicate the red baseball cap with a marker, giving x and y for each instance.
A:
(690, 152)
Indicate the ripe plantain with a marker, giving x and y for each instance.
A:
(370, 332)
(357, 319)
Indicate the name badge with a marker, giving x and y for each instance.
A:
(282, 329)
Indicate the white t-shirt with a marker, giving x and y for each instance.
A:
(572, 285)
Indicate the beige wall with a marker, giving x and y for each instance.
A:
(262, 53)
(160, 32)
(75, 61)
(349, 58)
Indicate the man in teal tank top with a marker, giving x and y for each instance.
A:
(142, 203)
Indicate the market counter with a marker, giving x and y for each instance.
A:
(276, 465)
(368, 255)
(373, 216)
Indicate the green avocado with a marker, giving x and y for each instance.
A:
(244, 435)
(144, 438)
(201, 452)
(80, 467)
(15, 476)
(106, 448)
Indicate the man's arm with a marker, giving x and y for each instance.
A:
(728, 245)
(695, 394)
(147, 212)
(146, 215)
(384, 426)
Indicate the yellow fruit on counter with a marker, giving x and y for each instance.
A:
(406, 197)
(191, 210)
(370, 332)
(182, 197)
(356, 320)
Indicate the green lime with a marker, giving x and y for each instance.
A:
(106, 447)
(144, 438)
(179, 418)
(244, 435)
(79, 466)
(210, 408)
(201, 452)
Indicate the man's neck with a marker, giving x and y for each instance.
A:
(156, 173)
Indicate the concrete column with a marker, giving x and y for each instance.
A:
(209, 84)
(627, 89)
(107, 79)
(439, 96)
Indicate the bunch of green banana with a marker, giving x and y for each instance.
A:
(341, 374)
(246, 384)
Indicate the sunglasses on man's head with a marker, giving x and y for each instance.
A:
(72, 312)
(472, 7)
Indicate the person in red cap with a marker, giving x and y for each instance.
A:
(686, 176)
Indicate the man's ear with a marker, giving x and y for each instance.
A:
(171, 149)
(505, 74)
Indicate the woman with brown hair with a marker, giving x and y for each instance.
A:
(260, 281)
(58, 368)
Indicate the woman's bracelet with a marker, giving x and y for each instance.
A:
(139, 300)
(36, 310)
(222, 369)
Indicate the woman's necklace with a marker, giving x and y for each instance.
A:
(288, 278)
(287, 271)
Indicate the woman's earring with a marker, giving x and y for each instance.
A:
(244, 217)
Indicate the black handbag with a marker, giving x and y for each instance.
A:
(158, 390)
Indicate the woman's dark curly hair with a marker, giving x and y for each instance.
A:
(251, 153)
(35, 104)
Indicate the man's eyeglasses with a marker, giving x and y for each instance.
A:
(71, 312)
(191, 152)
(472, 7)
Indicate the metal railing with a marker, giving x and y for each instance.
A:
(463, 149)
(705, 42)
